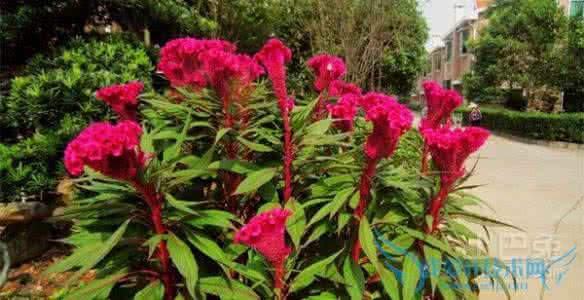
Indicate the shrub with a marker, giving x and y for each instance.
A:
(565, 127)
(47, 107)
(226, 190)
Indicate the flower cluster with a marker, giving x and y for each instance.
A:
(390, 120)
(451, 147)
(345, 111)
(327, 69)
(339, 88)
(440, 103)
(201, 63)
(122, 98)
(265, 233)
(110, 149)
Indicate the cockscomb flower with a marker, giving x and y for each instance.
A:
(390, 120)
(339, 88)
(180, 62)
(327, 69)
(273, 56)
(122, 98)
(345, 111)
(451, 147)
(265, 233)
(110, 149)
(440, 104)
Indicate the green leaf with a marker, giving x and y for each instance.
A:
(366, 239)
(389, 281)
(340, 199)
(255, 180)
(254, 146)
(307, 276)
(101, 252)
(319, 128)
(235, 166)
(446, 289)
(173, 151)
(354, 279)
(153, 242)
(213, 217)
(206, 245)
(76, 259)
(434, 262)
(97, 288)
(320, 214)
(296, 223)
(185, 262)
(410, 275)
(226, 289)
(180, 205)
(155, 290)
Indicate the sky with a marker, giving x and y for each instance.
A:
(440, 15)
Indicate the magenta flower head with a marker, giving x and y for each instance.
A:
(440, 102)
(339, 88)
(265, 233)
(273, 56)
(390, 120)
(451, 147)
(345, 111)
(180, 62)
(110, 149)
(327, 69)
(122, 98)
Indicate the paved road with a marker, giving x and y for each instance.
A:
(536, 188)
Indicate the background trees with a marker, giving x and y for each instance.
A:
(382, 41)
(528, 45)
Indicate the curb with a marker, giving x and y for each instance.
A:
(551, 144)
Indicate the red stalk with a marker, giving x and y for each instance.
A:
(435, 207)
(425, 159)
(288, 154)
(154, 201)
(364, 194)
(230, 180)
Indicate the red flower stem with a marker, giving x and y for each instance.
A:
(230, 181)
(435, 207)
(425, 159)
(364, 194)
(288, 153)
(279, 275)
(154, 201)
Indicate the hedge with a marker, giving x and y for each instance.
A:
(567, 127)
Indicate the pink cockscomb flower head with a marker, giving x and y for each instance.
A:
(339, 88)
(122, 98)
(440, 103)
(110, 149)
(390, 120)
(273, 56)
(180, 61)
(326, 68)
(451, 147)
(265, 233)
(345, 111)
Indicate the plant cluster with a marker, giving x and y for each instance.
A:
(53, 103)
(220, 189)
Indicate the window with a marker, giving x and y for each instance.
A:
(577, 8)
(437, 62)
(463, 41)
(448, 50)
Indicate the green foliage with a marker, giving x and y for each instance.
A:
(50, 105)
(537, 125)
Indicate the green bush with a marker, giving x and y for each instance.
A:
(49, 106)
(568, 127)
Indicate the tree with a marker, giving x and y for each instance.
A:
(573, 73)
(519, 49)
(382, 42)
